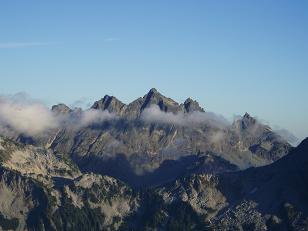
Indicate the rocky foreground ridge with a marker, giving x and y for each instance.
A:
(273, 197)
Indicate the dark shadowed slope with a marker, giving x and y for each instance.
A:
(274, 197)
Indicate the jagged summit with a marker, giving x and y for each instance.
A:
(191, 105)
(153, 90)
(245, 122)
(153, 97)
(246, 115)
(110, 103)
(248, 120)
(61, 109)
(156, 98)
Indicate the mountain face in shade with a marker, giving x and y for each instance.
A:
(191, 105)
(155, 98)
(273, 197)
(52, 194)
(110, 104)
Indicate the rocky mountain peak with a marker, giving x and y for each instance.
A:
(247, 116)
(246, 121)
(153, 94)
(153, 91)
(110, 103)
(153, 97)
(191, 105)
(61, 109)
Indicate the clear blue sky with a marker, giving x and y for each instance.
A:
(232, 56)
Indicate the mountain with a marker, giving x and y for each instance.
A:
(171, 132)
(42, 191)
(152, 164)
(52, 194)
(272, 197)
(111, 104)
(61, 109)
(138, 140)
(134, 109)
(191, 105)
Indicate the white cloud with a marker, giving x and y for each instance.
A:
(81, 103)
(154, 114)
(94, 116)
(217, 137)
(28, 117)
(31, 117)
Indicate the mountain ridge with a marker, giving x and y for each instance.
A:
(152, 97)
(152, 132)
(255, 198)
(152, 164)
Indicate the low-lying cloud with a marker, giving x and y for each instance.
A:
(30, 117)
(154, 114)
(93, 116)
(24, 116)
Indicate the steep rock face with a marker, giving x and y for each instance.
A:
(273, 197)
(20, 199)
(38, 190)
(89, 201)
(199, 191)
(191, 105)
(102, 201)
(134, 109)
(277, 193)
(38, 163)
(260, 139)
(111, 104)
(155, 98)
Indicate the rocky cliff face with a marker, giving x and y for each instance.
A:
(273, 197)
(39, 191)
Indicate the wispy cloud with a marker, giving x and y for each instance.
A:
(5, 45)
(154, 114)
(81, 103)
(24, 115)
